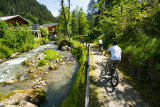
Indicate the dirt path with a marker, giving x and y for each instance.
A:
(101, 92)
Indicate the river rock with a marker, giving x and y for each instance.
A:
(26, 104)
(1, 60)
(23, 98)
(11, 81)
(63, 43)
(14, 55)
(23, 77)
(40, 56)
(51, 67)
(57, 60)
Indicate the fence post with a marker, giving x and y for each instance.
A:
(86, 44)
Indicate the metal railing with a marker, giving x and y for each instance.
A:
(87, 76)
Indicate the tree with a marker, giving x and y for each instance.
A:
(74, 23)
(66, 16)
(44, 32)
(91, 11)
(82, 22)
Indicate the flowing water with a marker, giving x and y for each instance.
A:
(58, 82)
(9, 69)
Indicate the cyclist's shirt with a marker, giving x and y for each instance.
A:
(115, 52)
(100, 42)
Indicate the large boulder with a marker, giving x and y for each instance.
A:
(30, 96)
(64, 44)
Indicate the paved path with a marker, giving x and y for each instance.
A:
(102, 94)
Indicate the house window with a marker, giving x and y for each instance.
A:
(14, 24)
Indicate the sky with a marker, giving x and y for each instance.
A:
(54, 5)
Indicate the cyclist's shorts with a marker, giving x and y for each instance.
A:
(110, 62)
(100, 44)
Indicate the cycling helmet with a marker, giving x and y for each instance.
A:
(114, 42)
(99, 37)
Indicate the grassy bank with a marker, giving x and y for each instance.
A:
(76, 96)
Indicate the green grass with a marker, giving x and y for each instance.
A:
(76, 97)
(42, 62)
(51, 54)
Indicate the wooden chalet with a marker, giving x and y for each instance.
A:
(51, 28)
(15, 19)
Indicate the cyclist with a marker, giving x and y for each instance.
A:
(115, 56)
(100, 43)
(81, 39)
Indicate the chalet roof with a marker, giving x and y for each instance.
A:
(49, 25)
(11, 17)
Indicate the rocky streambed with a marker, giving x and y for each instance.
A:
(55, 78)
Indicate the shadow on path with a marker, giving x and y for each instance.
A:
(103, 94)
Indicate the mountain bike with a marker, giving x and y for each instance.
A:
(114, 75)
(101, 49)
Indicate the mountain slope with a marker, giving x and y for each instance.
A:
(29, 9)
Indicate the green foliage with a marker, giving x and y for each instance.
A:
(135, 25)
(42, 62)
(44, 32)
(82, 22)
(3, 28)
(51, 54)
(20, 39)
(74, 23)
(29, 9)
(94, 34)
(78, 25)
(41, 41)
(5, 52)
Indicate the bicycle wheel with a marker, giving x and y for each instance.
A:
(101, 50)
(115, 78)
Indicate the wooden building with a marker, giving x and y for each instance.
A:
(15, 19)
(51, 28)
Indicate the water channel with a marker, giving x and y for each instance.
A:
(58, 82)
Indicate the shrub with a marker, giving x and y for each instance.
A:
(42, 62)
(51, 54)
(5, 52)
(19, 39)
(41, 41)
(44, 32)
(3, 28)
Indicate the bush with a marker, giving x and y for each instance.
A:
(3, 28)
(5, 52)
(51, 54)
(41, 41)
(20, 39)
(93, 34)
(44, 32)
(42, 62)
